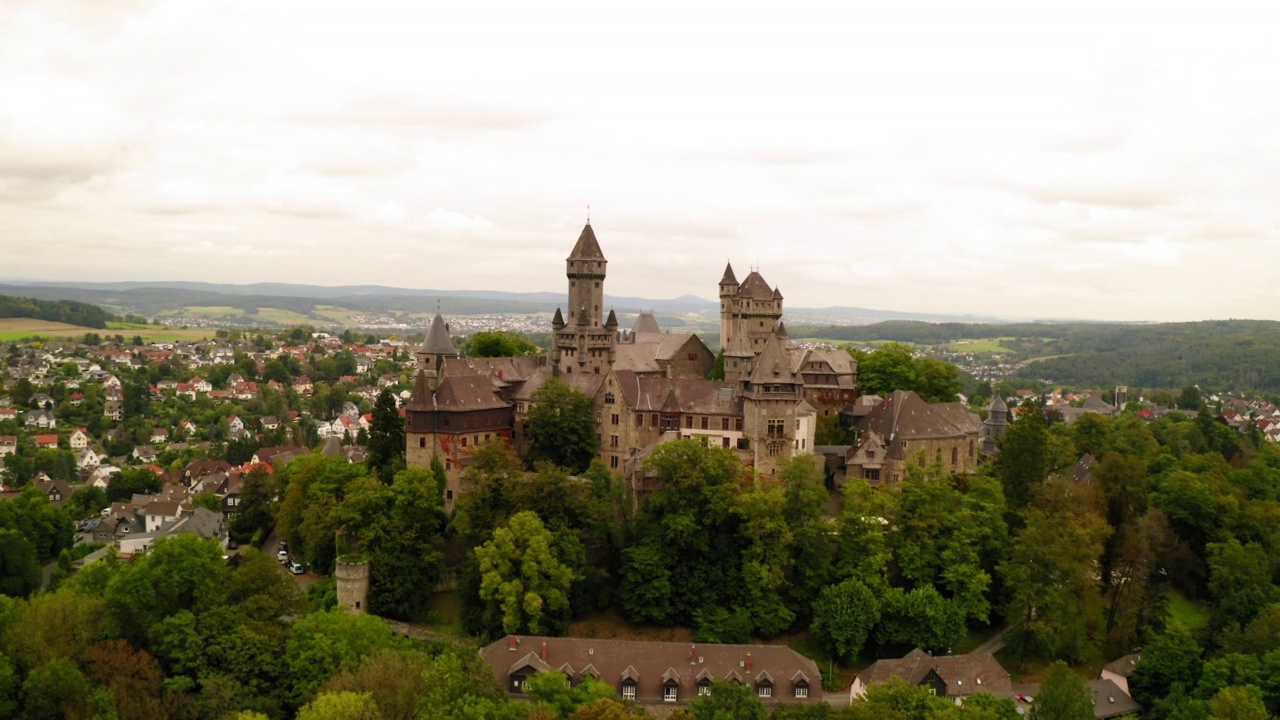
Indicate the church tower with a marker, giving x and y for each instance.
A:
(585, 340)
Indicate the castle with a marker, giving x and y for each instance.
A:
(649, 386)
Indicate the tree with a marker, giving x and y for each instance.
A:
(1239, 581)
(843, 617)
(1050, 574)
(386, 437)
(133, 481)
(1189, 398)
(323, 643)
(499, 343)
(56, 690)
(19, 566)
(523, 583)
(1024, 460)
(257, 495)
(1238, 703)
(1171, 665)
(562, 426)
(889, 367)
(341, 706)
(728, 701)
(1063, 696)
(180, 572)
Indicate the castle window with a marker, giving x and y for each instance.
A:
(654, 420)
(693, 357)
(613, 461)
(775, 429)
(639, 419)
(955, 456)
(688, 422)
(448, 494)
(724, 423)
(464, 441)
(613, 419)
(613, 441)
(609, 398)
(422, 442)
(724, 442)
(706, 422)
(737, 424)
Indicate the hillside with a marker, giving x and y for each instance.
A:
(58, 310)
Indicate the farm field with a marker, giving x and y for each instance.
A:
(978, 345)
(18, 328)
(284, 317)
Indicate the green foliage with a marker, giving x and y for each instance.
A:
(323, 643)
(257, 496)
(893, 366)
(1053, 595)
(56, 690)
(1063, 696)
(49, 530)
(843, 618)
(728, 701)
(341, 706)
(71, 312)
(386, 437)
(19, 567)
(1170, 665)
(180, 571)
(524, 584)
(499, 343)
(132, 481)
(1024, 460)
(561, 426)
(552, 693)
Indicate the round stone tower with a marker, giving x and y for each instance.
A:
(352, 574)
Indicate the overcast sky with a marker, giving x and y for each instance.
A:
(1094, 164)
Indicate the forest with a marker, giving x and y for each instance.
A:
(67, 311)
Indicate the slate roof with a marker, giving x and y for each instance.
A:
(586, 248)
(437, 340)
(1110, 701)
(1082, 472)
(905, 416)
(772, 365)
(462, 392)
(729, 277)
(1122, 666)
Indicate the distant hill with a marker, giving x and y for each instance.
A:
(156, 299)
(59, 310)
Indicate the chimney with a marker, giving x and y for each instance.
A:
(544, 651)
(512, 642)
(748, 661)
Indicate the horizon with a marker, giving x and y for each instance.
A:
(990, 161)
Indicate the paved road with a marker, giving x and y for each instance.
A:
(995, 643)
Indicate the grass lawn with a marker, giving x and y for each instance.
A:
(335, 313)
(1044, 357)
(1186, 614)
(19, 328)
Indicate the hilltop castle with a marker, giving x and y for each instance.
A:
(649, 386)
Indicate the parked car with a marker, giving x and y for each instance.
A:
(283, 557)
(297, 569)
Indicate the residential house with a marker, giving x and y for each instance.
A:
(8, 445)
(79, 439)
(42, 419)
(145, 454)
(304, 386)
(158, 513)
(160, 435)
(113, 409)
(657, 672)
(57, 491)
(76, 399)
(1120, 670)
(1110, 701)
(950, 676)
(88, 459)
(235, 424)
(47, 442)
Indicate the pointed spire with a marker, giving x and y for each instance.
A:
(729, 278)
(777, 293)
(584, 318)
(781, 330)
(438, 341)
(557, 322)
(587, 248)
(420, 397)
(612, 322)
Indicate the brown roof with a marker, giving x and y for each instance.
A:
(646, 323)
(462, 392)
(586, 383)
(962, 674)
(905, 416)
(755, 288)
(650, 351)
(586, 248)
(654, 394)
(437, 340)
(651, 665)
(728, 277)
(772, 365)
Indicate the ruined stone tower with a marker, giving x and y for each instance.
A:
(353, 584)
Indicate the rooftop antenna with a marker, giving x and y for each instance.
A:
(588, 214)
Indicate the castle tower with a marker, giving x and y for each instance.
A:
(771, 394)
(994, 427)
(751, 310)
(353, 584)
(728, 288)
(587, 343)
(437, 346)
